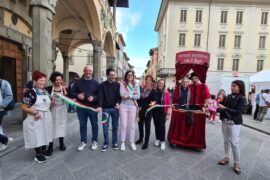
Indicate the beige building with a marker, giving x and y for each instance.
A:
(234, 32)
(151, 67)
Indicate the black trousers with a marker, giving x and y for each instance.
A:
(3, 139)
(159, 122)
(256, 112)
(144, 120)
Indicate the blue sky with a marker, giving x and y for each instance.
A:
(137, 24)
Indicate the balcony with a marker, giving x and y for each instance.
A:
(165, 72)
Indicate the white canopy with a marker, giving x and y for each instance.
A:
(260, 77)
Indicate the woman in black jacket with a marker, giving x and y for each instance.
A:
(231, 116)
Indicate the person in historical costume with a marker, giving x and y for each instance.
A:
(59, 109)
(200, 94)
(38, 126)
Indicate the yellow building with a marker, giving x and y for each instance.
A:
(234, 32)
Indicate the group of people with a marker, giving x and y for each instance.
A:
(47, 113)
(262, 101)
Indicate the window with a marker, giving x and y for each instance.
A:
(220, 64)
(239, 17)
(235, 65)
(262, 42)
(237, 41)
(260, 65)
(264, 17)
(183, 16)
(197, 40)
(199, 16)
(224, 17)
(222, 41)
(182, 39)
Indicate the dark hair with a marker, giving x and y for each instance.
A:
(266, 91)
(37, 75)
(213, 96)
(54, 75)
(164, 84)
(241, 85)
(125, 78)
(149, 76)
(108, 70)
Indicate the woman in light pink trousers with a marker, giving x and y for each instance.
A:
(130, 92)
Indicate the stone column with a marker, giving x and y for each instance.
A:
(97, 59)
(66, 68)
(42, 12)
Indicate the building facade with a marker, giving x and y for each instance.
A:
(234, 32)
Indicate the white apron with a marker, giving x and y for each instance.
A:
(39, 133)
(59, 116)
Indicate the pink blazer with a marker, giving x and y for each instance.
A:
(167, 101)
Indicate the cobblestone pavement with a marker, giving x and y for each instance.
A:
(153, 163)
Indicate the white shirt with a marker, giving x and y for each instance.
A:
(265, 98)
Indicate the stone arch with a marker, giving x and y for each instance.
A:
(109, 46)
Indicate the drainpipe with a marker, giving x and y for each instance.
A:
(114, 11)
(209, 15)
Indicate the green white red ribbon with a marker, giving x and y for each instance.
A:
(155, 107)
(74, 103)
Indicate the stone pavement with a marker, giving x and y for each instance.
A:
(179, 163)
(256, 125)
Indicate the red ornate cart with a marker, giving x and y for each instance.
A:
(180, 133)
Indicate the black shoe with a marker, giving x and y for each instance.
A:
(139, 141)
(104, 148)
(116, 146)
(62, 144)
(40, 158)
(48, 154)
(145, 146)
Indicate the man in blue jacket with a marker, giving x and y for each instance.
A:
(85, 90)
(6, 96)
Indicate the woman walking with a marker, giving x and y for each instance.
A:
(147, 96)
(130, 92)
(231, 116)
(38, 127)
(162, 97)
(59, 109)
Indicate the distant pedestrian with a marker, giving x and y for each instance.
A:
(231, 116)
(212, 108)
(257, 101)
(263, 105)
(130, 93)
(58, 109)
(85, 90)
(6, 97)
(109, 100)
(71, 108)
(38, 126)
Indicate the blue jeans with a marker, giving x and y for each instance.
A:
(83, 115)
(114, 114)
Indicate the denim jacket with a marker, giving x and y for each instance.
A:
(6, 93)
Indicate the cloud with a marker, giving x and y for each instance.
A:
(126, 21)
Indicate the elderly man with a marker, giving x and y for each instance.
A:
(184, 94)
(85, 90)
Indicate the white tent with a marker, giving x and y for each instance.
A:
(261, 80)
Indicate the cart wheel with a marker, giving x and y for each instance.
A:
(173, 146)
(198, 150)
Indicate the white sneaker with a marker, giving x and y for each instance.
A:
(82, 146)
(133, 147)
(123, 147)
(162, 146)
(94, 145)
(3, 147)
(157, 143)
